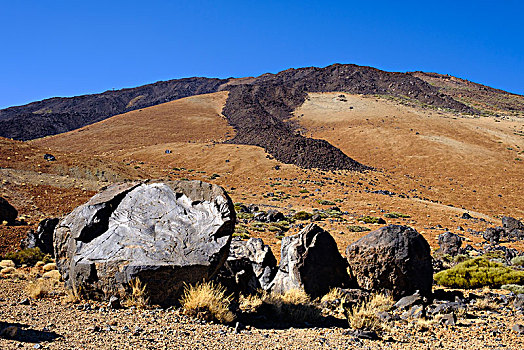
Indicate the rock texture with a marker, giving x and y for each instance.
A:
(393, 258)
(513, 228)
(7, 211)
(449, 243)
(43, 237)
(249, 267)
(310, 260)
(165, 234)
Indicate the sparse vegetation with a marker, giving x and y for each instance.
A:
(208, 301)
(515, 288)
(325, 202)
(518, 260)
(356, 228)
(138, 296)
(395, 215)
(294, 306)
(40, 288)
(29, 256)
(365, 315)
(371, 220)
(302, 215)
(479, 272)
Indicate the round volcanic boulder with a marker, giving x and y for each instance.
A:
(164, 234)
(393, 259)
(8, 213)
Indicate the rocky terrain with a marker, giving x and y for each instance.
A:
(335, 177)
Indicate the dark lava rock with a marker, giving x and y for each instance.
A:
(449, 243)
(310, 260)
(43, 237)
(250, 266)
(49, 157)
(493, 234)
(451, 307)
(513, 228)
(393, 258)
(466, 216)
(448, 295)
(165, 234)
(7, 211)
(519, 328)
(518, 303)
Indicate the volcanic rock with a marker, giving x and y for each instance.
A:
(164, 234)
(310, 261)
(250, 266)
(43, 237)
(7, 212)
(449, 243)
(513, 228)
(393, 258)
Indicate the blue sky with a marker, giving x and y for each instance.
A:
(67, 48)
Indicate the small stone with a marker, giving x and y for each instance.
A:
(519, 328)
(114, 303)
(7, 263)
(449, 319)
(37, 346)
(25, 302)
(52, 275)
(49, 267)
(9, 332)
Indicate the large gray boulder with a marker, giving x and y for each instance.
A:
(164, 234)
(250, 266)
(7, 211)
(310, 260)
(393, 259)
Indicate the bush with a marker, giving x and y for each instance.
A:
(518, 260)
(208, 301)
(29, 256)
(302, 215)
(395, 215)
(365, 315)
(356, 228)
(515, 288)
(325, 202)
(372, 220)
(478, 272)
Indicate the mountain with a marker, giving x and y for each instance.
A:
(258, 108)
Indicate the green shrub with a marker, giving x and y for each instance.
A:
(515, 288)
(518, 260)
(356, 228)
(302, 215)
(371, 220)
(303, 191)
(29, 256)
(325, 202)
(395, 215)
(478, 272)
(244, 215)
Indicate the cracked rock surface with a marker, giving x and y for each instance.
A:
(165, 234)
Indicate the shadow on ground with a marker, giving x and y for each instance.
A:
(22, 333)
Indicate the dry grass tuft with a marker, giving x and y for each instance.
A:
(40, 288)
(294, 306)
(138, 297)
(365, 315)
(250, 303)
(334, 294)
(208, 301)
(485, 304)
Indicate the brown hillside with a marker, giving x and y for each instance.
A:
(192, 119)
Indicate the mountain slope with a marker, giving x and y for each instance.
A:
(257, 108)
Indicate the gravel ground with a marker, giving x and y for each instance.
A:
(53, 323)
